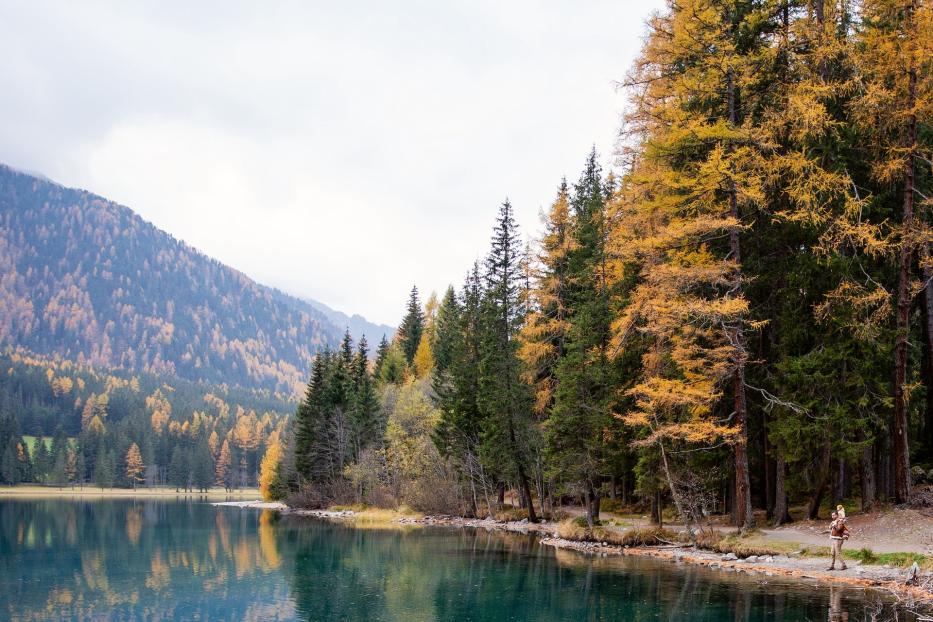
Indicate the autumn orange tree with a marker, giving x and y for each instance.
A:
(694, 185)
(893, 107)
(134, 465)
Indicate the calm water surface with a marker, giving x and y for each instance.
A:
(63, 559)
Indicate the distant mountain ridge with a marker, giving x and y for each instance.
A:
(357, 324)
(89, 280)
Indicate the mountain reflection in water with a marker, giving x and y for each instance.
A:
(158, 559)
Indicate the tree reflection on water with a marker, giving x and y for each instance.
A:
(158, 559)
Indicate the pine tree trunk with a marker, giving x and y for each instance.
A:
(927, 308)
(901, 451)
(767, 451)
(813, 510)
(867, 478)
(838, 482)
(592, 505)
(656, 514)
(743, 500)
(523, 486)
(781, 513)
(883, 468)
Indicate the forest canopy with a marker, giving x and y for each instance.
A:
(739, 318)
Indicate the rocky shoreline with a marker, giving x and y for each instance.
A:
(885, 578)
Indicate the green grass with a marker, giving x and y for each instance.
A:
(897, 560)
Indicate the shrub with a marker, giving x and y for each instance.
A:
(641, 536)
(570, 529)
(578, 530)
(509, 513)
(714, 541)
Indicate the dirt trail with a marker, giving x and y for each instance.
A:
(890, 531)
(893, 530)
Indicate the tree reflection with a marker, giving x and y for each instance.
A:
(158, 559)
(152, 559)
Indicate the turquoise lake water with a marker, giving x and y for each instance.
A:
(67, 559)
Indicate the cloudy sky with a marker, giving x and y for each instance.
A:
(337, 150)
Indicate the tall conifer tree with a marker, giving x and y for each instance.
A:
(504, 399)
(409, 333)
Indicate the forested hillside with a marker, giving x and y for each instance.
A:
(741, 320)
(88, 280)
(113, 427)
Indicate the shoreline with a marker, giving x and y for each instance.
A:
(11, 492)
(865, 576)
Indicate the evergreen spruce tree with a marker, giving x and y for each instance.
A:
(307, 421)
(41, 461)
(504, 399)
(381, 353)
(446, 332)
(459, 431)
(582, 411)
(104, 468)
(409, 333)
(365, 423)
(392, 370)
(178, 469)
(9, 465)
(203, 466)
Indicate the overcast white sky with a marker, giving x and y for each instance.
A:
(337, 150)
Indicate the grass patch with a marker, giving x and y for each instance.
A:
(897, 560)
(508, 513)
(578, 531)
(370, 516)
(742, 546)
(570, 529)
(643, 536)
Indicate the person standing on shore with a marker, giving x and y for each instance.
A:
(838, 533)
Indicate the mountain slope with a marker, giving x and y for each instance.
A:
(357, 324)
(89, 280)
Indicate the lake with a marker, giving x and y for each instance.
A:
(153, 559)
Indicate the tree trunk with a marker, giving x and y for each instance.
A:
(592, 505)
(867, 478)
(927, 307)
(839, 481)
(656, 514)
(813, 510)
(883, 468)
(743, 500)
(768, 450)
(899, 430)
(781, 513)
